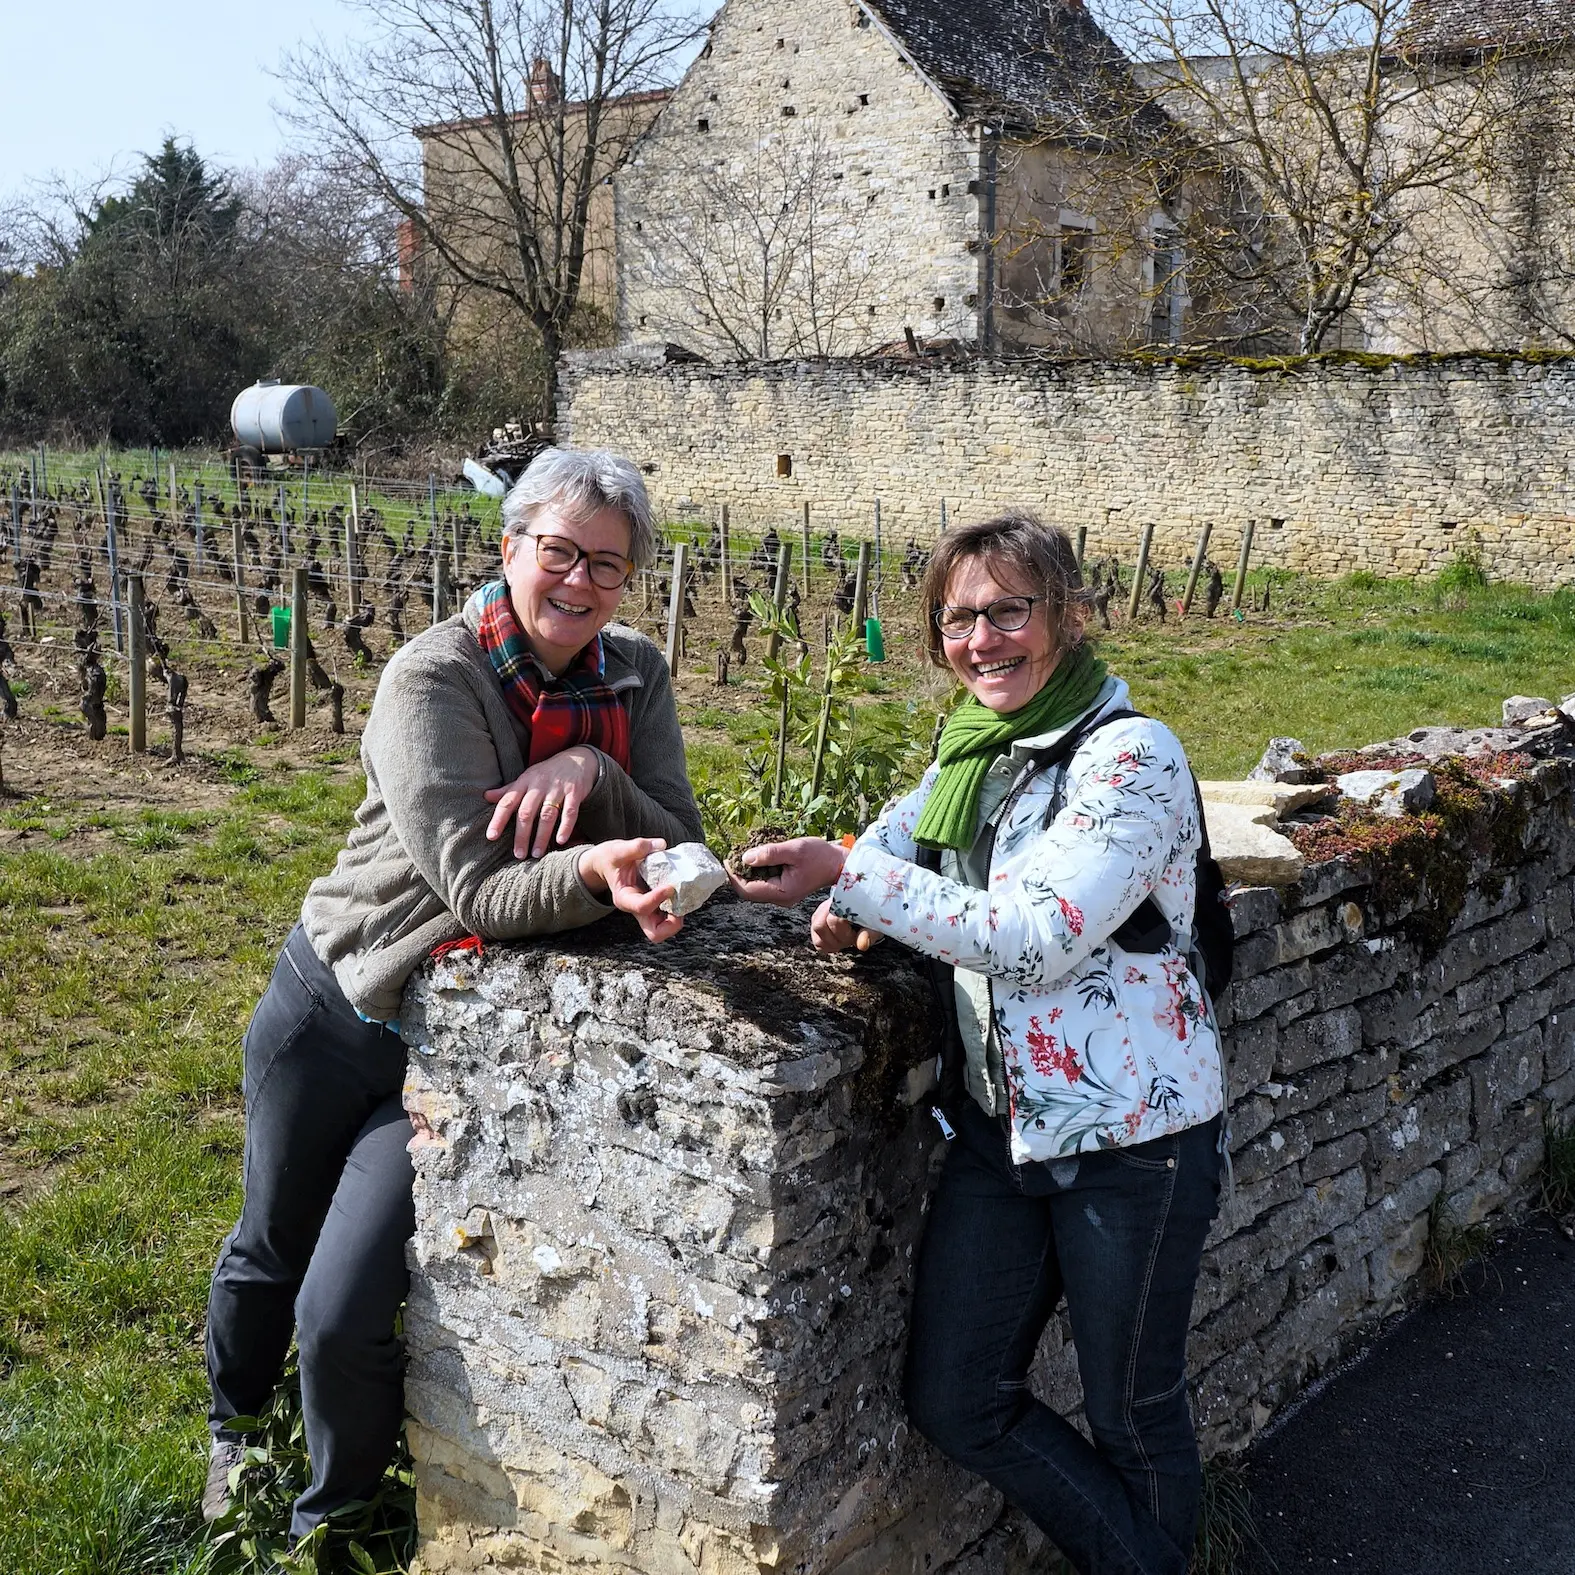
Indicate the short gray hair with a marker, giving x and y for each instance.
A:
(581, 481)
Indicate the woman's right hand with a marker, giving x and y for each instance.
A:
(807, 864)
(611, 869)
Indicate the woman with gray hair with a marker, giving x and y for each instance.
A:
(531, 700)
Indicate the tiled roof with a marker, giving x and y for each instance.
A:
(1011, 59)
(1475, 24)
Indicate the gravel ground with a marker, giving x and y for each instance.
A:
(1449, 1449)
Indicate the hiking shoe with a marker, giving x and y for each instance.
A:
(223, 1457)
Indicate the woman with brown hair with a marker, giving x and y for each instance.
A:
(1047, 862)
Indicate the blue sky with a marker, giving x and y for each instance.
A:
(90, 83)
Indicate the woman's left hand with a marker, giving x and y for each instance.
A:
(544, 799)
(828, 933)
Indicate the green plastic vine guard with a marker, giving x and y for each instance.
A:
(281, 628)
(874, 644)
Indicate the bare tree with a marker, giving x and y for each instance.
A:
(758, 254)
(525, 107)
(1320, 129)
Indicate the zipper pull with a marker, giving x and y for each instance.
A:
(947, 1131)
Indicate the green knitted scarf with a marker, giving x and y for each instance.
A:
(975, 735)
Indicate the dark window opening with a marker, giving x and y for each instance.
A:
(946, 191)
(864, 100)
(702, 124)
(971, 299)
(940, 303)
(872, 311)
(784, 464)
(973, 188)
(788, 112)
(642, 319)
(932, 194)
(781, 43)
(1074, 260)
(1276, 524)
(1449, 524)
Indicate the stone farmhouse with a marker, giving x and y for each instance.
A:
(832, 176)
(464, 181)
(1493, 266)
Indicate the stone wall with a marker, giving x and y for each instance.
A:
(667, 1221)
(1342, 465)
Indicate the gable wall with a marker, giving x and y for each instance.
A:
(902, 251)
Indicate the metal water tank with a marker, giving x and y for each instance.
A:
(280, 418)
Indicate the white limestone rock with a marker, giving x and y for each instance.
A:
(1285, 760)
(1284, 798)
(1523, 708)
(1391, 793)
(1249, 850)
(691, 867)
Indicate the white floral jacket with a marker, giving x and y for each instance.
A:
(1102, 1047)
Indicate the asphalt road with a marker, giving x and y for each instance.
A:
(1449, 1449)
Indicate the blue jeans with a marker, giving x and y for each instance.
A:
(1120, 1233)
(319, 1249)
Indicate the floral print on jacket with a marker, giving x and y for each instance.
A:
(1102, 1047)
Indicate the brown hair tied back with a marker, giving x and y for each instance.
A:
(1040, 556)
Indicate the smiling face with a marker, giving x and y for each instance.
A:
(561, 614)
(1003, 671)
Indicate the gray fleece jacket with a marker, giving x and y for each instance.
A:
(418, 869)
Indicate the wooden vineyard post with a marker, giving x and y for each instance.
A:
(298, 641)
(174, 494)
(861, 587)
(807, 554)
(1198, 558)
(1082, 545)
(196, 524)
(879, 577)
(675, 606)
(16, 523)
(243, 623)
(779, 593)
(1138, 573)
(453, 536)
(137, 682)
(1241, 567)
(112, 545)
(352, 538)
(722, 555)
(439, 588)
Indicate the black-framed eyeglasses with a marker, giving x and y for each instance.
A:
(1006, 613)
(558, 555)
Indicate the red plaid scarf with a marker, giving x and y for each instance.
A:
(557, 713)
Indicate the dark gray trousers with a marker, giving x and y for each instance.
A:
(320, 1245)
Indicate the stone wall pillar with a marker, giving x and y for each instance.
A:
(666, 1237)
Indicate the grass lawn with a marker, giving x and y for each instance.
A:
(126, 978)
(133, 945)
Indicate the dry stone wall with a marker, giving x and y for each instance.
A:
(667, 1221)
(1341, 465)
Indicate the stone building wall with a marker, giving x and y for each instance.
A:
(667, 1220)
(1343, 465)
(895, 202)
